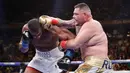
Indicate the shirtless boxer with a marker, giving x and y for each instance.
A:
(91, 39)
(45, 42)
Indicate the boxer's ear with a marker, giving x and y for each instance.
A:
(85, 14)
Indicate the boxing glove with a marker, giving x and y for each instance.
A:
(24, 44)
(26, 35)
(47, 21)
(64, 63)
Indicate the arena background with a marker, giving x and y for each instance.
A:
(113, 14)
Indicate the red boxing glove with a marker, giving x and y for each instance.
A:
(63, 44)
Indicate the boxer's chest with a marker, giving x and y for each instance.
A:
(47, 38)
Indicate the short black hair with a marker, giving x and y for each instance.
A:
(34, 25)
(82, 6)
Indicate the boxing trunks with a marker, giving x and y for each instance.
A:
(46, 62)
(95, 65)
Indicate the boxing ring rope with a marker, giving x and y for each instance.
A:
(73, 62)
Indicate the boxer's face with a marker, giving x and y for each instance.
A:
(79, 16)
(36, 34)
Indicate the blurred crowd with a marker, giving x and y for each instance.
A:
(119, 49)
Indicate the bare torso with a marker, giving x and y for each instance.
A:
(49, 40)
(97, 44)
(46, 42)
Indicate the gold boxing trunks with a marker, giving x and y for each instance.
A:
(95, 65)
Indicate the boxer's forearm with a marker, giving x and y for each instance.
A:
(69, 34)
(78, 41)
(47, 20)
(72, 44)
(68, 23)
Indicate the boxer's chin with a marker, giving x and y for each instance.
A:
(77, 23)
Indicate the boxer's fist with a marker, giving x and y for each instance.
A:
(24, 43)
(62, 45)
(44, 19)
(64, 63)
(27, 35)
(47, 26)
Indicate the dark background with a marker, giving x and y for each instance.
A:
(23, 10)
(15, 13)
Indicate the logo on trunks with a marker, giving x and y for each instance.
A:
(45, 54)
(107, 64)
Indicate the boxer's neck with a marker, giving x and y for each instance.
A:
(77, 29)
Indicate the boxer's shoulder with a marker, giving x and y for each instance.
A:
(95, 22)
(25, 27)
(92, 24)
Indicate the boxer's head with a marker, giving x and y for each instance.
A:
(35, 28)
(82, 13)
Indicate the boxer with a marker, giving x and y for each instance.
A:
(91, 39)
(46, 44)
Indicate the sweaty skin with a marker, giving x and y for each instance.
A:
(93, 40)
(49, 39)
